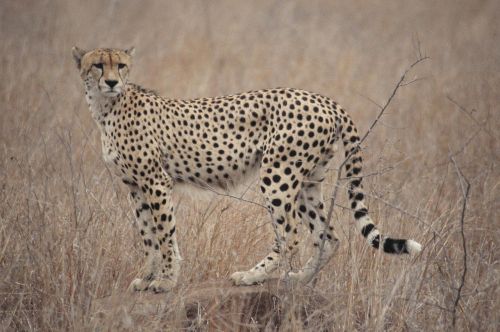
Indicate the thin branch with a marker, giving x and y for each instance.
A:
(413, 81)
(395, 207)
(481, 126)
(354, 150)
(464, 110)
(374, 123)
(465, 187)
(391, 97)
(371, 100)
(417, 45)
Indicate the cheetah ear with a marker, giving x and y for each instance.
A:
(78, 54)
(130, 51)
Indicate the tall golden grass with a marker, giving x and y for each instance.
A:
(67, 234)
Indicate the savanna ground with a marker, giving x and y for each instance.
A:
(67, 234)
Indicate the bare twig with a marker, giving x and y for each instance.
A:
(469, 114)
(391, 97)
(400, 83)
(465, 187)
(371, 100)
(395, 207)
(414, 80)
(481, 126)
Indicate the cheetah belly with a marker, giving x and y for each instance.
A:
(234, 177)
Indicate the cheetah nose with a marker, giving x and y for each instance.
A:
(111, 83)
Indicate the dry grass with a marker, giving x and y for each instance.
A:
(66, 231)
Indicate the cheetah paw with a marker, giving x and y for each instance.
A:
(161, 286)
(139, 285)
(247, 278)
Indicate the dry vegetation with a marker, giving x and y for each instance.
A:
(67, 236)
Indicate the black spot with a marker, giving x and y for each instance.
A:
(276, 178)
(360, 213)
(366, 230)
(276, 202)
(267, 181)
(356, 183)
(288, 207)
(395, 246)
(284, 187)
(288, 228)
(359, 196)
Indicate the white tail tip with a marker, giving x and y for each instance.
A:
(413, 247)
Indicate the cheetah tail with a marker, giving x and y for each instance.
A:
(356, 198)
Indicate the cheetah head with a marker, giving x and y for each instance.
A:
(104, 70)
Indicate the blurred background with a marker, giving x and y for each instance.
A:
(66, 232)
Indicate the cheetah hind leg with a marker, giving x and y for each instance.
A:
(142, 283)
(139, 284)
(262, 270)
(324, 238)
(148, 275)
(285, 225)
(259, 273)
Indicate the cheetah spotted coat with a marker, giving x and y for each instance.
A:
(287, 135)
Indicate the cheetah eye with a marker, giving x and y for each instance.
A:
(121, 65)
(98, 65)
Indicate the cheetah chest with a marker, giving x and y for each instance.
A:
(110, 154)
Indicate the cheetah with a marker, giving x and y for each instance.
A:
(287, 136)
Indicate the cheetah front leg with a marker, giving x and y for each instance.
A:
(158, 229)
(145, 224)
(159, 194)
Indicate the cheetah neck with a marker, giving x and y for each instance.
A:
(99, 105)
